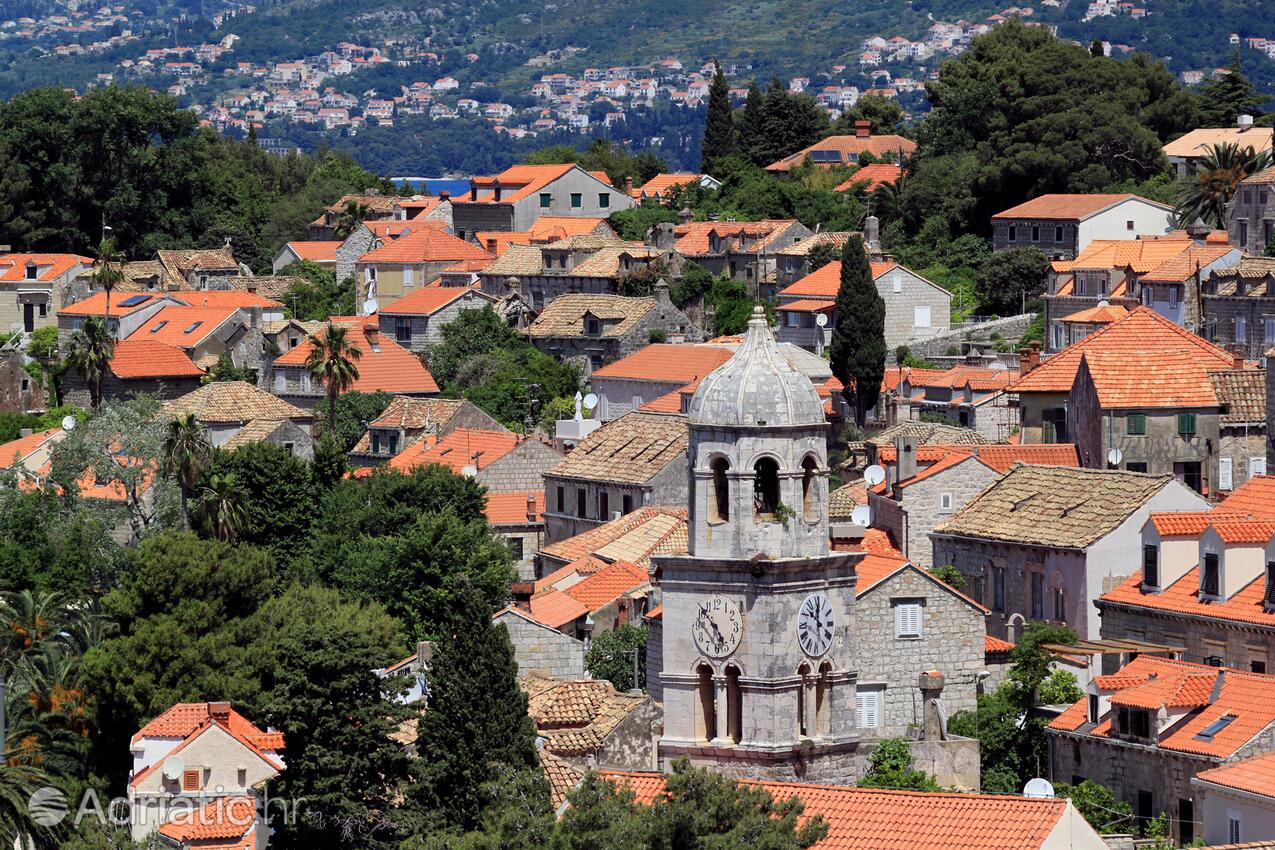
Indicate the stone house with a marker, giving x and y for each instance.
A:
(1148, 730)
(541, 648)
(138, 367)
(34, 287)
(1236, 802)
(908, 623)
(971, 395)
(1251, 213)
(913, 500)
(744, 251)
(629, 463)
(1239, 306)
(1165, 602)
(226, 409)
(125, 315)
(369, 236)
(199, 268)
(323, 254)
(1043, 542)
(416, 320)
(792, 263)
(407, 420)
(594, 330)
(518, 518)
(1186, 151)
(651, 373)
(515, 198)
(590, 725)
(19, 392)
(408, 263)
(915, 308)
(384, 366)
(634, 538)
(375, 207)
(501, 461)
(589, 596)
(846, 149)
(1242, 449)
(1062, 226)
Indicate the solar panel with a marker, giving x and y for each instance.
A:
(134, 300)
(825, 156)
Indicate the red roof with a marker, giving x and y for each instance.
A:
(13, 267)
(995, 644)
(226, 298)
(658, 185)
(1061, 207)
(428, 301)
(524, 180)
(826, 280)
(1143, 333)
(24, 446)
(607, 584)
(878, 146)
(667, 362)
(1248, 605)
(1180, 523)
(425, 245)
(1097, 315)
(1255, 775)
(694, 237)
(1255, 498)
(146, 358)
(391, 369)
(876, 173)
(224, 818)
(323, 251)
(555, 609)
(805, 305)
(511, 508)
(1150, 379)
(457, 451)
(183, 327)
(95, 305)
(882, 819)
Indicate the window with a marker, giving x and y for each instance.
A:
(719, 505)
(1241, 329)
(867, 709)
(44, 309)
(33, 271)
(1035, 233)
(402, 329)
(159, 326)
(1225, 479)
(546, 200)
(1038, 596)
(1093, 709)
(1270, 583)
(516, 547)
(194, 326)
(1058, 234)
(765, 487)
(1136, 466)
(393, 442)
(907, 619)
(1209, 579)
(604, 505)
(734, 705)
(921, 316)
(580, 502)
(627, 503)
(190, 780)
(1135, 722)
(896, 282)
(604, 200)
(280, 382)
(1243, 240)
(998, 589)
(706, 717)
(376, 443)
(1136, 424)
(1060, 604)
(577, 200)
(1013, 233)
(1256, 466)
(1268, 330)
(1128, 225)
(809, 492)
(945, 502)
(1186, 425)
(1234, 827)
(562, 500)
(793, 319)
(409, 276)
(1151, 566)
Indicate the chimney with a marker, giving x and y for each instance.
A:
(254, 317)
(862, 129)
(444, 196)
(424, 652)
(373, 333)
(1218, 683)
(521, 592)
(491, 244)
(660, 290)
(1237, 355)
(495, 189)
(628, 185)
(1028, 358)
(973, 358)
(1244, 122)
(219, 711)
(904, 457)
(531, 508)
(934, 725)
(685, 216)
(872, 233)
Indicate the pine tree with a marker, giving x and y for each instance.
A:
(476, 728)
(1230, 95)
(750, 124)
(857, 355)
(719, 126)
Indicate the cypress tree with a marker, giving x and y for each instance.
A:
(750, 124)
(857, 354)
(719, 125)
(1227, 96)
(476, 728)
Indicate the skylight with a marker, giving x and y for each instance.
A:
(158, 326)
(193, 325)
(1207, 733)
(134, 300)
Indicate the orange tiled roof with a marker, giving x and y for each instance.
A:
(525, 180)
(388, 229)
(1144, 332)
(1196, 142)
(825, 281)
(392, 369)
(1180, 524)
(1185, 690)
(1150, 379)
(1067, 207)
(667, 362)
(995, 644)
(555, 609)
(551, 228)
(95, 304)
(317, 251)
(237, 298)
(1097, 315)
(878, 146)
(881, 819)
(1187, 263)
(23, 446)
(635, 537)
(223, 818)
(805, 305)
(13, 267)
(457, 450)
(693, 237)
(184, 327)
(1253, 531)
(425, 245)
(1255, 498)
(511, 508)
(877, 174)
(1140, 255)
(1255, 775)
(145, 358)
(658, 185)
(427, 301)
(608, 584)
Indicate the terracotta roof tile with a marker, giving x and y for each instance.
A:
(1097, 315)
(835, 238)
(320, 251)
(253, 431)
(632, 449)
(634, 537)
(13, 267)
(425, 245)
(23, 447)
(428, 300)
(575, 716)
(551, 228)
(1243, 530)
(1195, 143)
(694, 238)
(1067, 207)
(393, 369)
(667, 363)
(878, 146)
(223, 818)
(1255, 775)
(144, 358)
(1255, 498)
(1187, 263)
(995, 644)
(555, 609)
(95, 304)
(927, 433)
(1150, 380)
(1180, 524)
(1243, 391)
(456, 450)
(563, 778)
(1185, 690)
(564, 316)
(826, 280)
(608, 584)
(186, 327)
(233, 401)
(417, 413)
(660, 184)
(843, 500)
(876, 174)
(511, 508)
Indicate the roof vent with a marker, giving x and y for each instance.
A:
(1244, 122)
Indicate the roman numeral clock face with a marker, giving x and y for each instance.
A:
(816, 625)
(717, 627)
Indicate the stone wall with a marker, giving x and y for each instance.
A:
(923, 504)
(19, 392)
(1244, 646)
(538, 647)
(1011, 330)
(634, 743)
(520, 470)
(1242, 446)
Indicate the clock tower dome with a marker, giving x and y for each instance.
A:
(757, 658)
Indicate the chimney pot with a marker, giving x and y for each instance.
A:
(521, 592)
(862, 129)
(219, 711)
(531, 507)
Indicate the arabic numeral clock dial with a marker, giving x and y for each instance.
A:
(816, 625)
(717, 627)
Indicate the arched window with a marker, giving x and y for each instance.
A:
(734, 705)
(765, 487)
(1015, 626)
(706, 716)
(823, 698)
(809, 498)
(803, 672)
(719, 505)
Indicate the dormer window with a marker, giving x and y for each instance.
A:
(1093, 708)
(33, 271)
(1209, 582)
(1150, 566)
(1135, 722)
(592, 326)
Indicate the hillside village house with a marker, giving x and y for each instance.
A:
(589, 596)
(1147, 730)
(416, 320)
(1186, 151)
(408, 263)
(651, 373)
(634, 537)
(546, 230)
(1205, 583)
(501, 461)
(1239, 306)
(661, 186)
(634, 461)
(845, 150)
(321, 253)
(539, 647)
(373, 207)
(369, 236)
(793, 262)
(915, 308)
(234, 412)
(593, 330)
(1251, 213)
(406, 420)
(745, 251)
(1063, 225)
(587, 724)
(384, 366)
(1043, 542)
(33, 288)
(515, 198)
(1236, 802)
(973, 396)
(138, 367)
(517, 517)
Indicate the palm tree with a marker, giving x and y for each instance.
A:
(108, 271)
(90, 353)
(187, 456)
(884, 201)
(331, 361)
(19, 825)
(222, 508)
(1205, 195)
(349, 218)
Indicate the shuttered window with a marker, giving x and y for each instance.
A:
(907, 620)
(1151, 566)
(1225, 476)
(867, 708)
(190, 780)
(1209, 580)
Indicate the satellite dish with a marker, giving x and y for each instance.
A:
(590, 401)
(1114, 457)
(861, 515)
(173, 767)
(1104, 303)
(821, 319)
(369, 307)
(998, 366)
(1039, 789)
(69, 423)
(874, 475)
(470, 470)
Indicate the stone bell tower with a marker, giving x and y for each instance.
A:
(757, 663)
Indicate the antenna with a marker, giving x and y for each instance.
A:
(1114, 457)
(874, 475)
(173, 767)
(861, 515)
(1039, 789)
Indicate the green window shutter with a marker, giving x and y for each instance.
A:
(1186, 424)
(1136, 424)
(546, 200)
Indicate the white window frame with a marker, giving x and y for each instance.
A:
(1225, 473)
(1234, 827)
(907, 620)
(922, 316)
(945, 501)
(896, 280)
(867, 708)
(409, 276)
(1256, 466)
(1241, 329)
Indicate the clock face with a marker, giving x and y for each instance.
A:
(718, 626)
(816, 624)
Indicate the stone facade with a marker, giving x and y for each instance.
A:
(575, 193)
(19, 392)
(521, 469)
(951, 641)
(76, 392)
(1241, 321)
(1244, 646)
(574, 506)
(538, 647)
(1251, 215)
(1063, 238)
(925, 503)
(419, 331)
